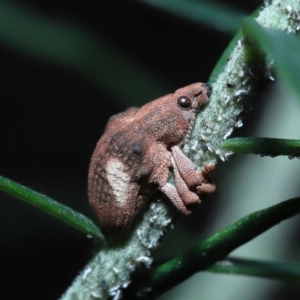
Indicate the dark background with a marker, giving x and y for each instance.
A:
(51, 119)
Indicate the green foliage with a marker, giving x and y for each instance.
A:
(216, 248)
(212, 14)
(263, 146)
(284, 271)
(282, 47)
(106, 67)
(50, 206)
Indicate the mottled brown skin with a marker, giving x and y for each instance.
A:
(135, 154)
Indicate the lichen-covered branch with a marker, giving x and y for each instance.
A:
(213, 249)
(236, 86)
(108, 273)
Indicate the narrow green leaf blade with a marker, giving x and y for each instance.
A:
(226, 53)
(213, 249)
(62, 212)
(282, 47)
(283, 271)
(208, 13)
(263, 146)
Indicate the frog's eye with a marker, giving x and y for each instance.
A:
(184, 102)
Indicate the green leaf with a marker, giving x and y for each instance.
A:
(226, 53)
(59, 43)
(284, 271)
(208, 13)
(224, 57)
(62, 212)
(211, 250)
(284, 49)
(263, 146)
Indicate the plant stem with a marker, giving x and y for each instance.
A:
(283, 271)
(56, 209)
(202, 13)
(211, 250)
(263, 146)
